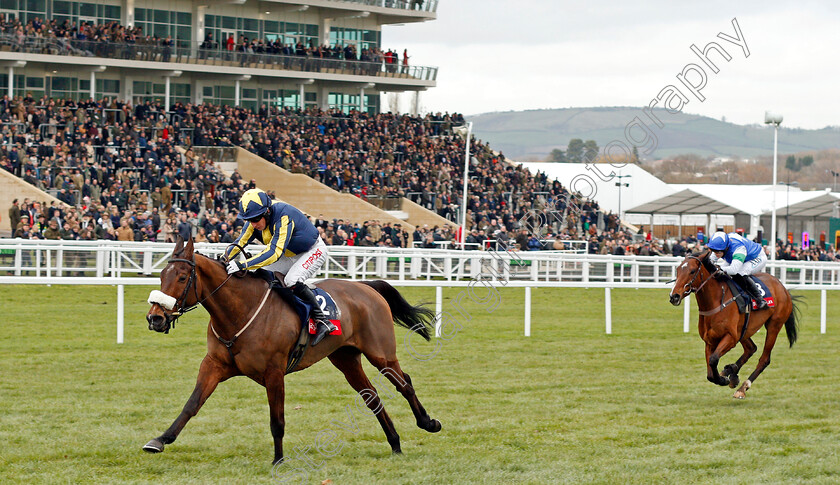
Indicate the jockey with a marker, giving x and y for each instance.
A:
(739, 257)
(293, 247)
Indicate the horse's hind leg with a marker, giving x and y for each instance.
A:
(349, 362)
(402, 381)
(773, 328)
(210, 374)
(731, 370)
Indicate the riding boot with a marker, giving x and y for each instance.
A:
(747, 284)
(324, 326)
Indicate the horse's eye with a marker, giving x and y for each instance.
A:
(693, 271)
(182, 279)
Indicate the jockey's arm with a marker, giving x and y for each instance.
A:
(738, 258)
(244, 238)
(281, 234)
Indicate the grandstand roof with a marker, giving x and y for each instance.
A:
(810, 204)
(740, 199)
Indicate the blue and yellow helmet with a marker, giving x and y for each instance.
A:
(253, 204)
(719, 241)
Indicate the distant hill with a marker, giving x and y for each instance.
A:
(534, 133)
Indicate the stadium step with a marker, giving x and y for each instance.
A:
(12, 188)
(309, 195)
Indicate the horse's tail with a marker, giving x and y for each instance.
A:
(792, 323)
(416, 318)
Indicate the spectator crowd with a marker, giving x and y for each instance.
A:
(130, 173)
(115, 40)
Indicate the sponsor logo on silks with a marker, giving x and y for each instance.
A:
(317, 254)
(771, 302)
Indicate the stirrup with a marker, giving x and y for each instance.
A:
(325, 327)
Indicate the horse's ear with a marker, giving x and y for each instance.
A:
(179, 245)
(188, 249)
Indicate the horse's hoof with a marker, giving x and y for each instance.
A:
(739, 394)
(733, 381)
(154, 446)
(396, 452)
(434, 426)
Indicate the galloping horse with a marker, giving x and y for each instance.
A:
(260, 348)
(721, 325)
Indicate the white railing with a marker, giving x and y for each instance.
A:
(119, 263)
(60, 258)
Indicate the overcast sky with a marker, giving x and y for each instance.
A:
(499, 55)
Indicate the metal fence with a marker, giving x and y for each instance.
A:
(120, 264)
(23, 257)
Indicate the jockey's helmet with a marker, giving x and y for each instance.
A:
(253, 204)
(719, 241)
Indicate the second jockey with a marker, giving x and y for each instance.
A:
(739, 257)
(293, 247)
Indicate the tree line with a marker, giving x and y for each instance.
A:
(579, 151)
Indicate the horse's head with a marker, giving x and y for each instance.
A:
(177, 288)
(689, 277)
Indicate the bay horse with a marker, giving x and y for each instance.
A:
(721, 325)
(260, 348)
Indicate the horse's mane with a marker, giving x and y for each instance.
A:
(703, 256)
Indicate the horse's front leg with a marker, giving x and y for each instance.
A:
(275, 387)
(713, 357)
(210, 374)
(731, 370)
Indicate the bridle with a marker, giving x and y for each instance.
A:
(688, 288)
(179, 309)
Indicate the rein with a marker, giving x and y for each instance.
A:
(229, 343)
(180, 310)
(723, 304)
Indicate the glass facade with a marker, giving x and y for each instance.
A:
(220, 27)
(161, 23)
(76, 12)
(165, 23)
(104, 88)
(20, 87)
(61, 10)
(349, 102)
(363, 39)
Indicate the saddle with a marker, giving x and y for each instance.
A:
(308, 327)
(742, 296)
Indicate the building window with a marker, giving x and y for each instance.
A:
(181, 93)
(221, 27)
(64, 87)
(164, 23)
(75, 12)
(363, 39)
(20, 89)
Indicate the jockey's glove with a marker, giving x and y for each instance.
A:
(234, 266)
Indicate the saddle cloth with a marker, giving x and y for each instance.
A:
(330, 309)
(744, 296)
(328, 306)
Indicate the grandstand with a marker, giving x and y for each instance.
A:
(140, 120)
(295, 54)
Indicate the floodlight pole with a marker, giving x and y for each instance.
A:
(774, 119)
(466, 185)
(773, 218)
(619, 184)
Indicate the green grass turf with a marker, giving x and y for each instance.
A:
(569, 404)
